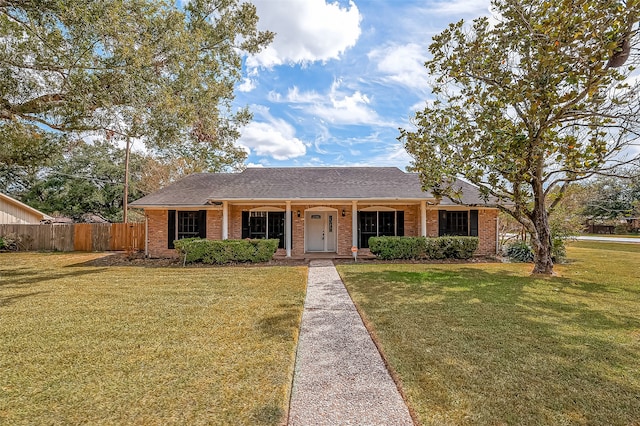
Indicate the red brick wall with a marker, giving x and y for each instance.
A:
(157, 223)
(214, 224)
(432, 223)
(343, 229)
(486, 229)
(158, 237)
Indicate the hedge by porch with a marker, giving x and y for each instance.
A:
(448, 247)
(220, 252)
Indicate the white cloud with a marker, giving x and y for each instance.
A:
(295, 96)
(459, 7)
(393, 155)
(272, 137)
(346, 109)
(247, 85)
(336, 107)
(306, 31)
(402, 64)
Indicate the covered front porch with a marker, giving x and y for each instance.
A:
(329, 227)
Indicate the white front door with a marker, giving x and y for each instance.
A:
(321, 231)
(316, 233)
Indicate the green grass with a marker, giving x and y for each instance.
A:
(489, 344)
(135, 345)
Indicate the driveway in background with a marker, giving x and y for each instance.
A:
(609, 239)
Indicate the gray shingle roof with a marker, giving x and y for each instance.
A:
(298, 183)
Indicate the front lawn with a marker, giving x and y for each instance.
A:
(135, 345)
(488, 344)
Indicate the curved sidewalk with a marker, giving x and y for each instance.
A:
(340, 378)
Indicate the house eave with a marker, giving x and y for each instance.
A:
(176, 206)
(325, 200)
(25, 207)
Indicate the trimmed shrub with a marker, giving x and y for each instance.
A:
(388, 248)
(219, 252)
(523, 252)
(558, 250)
(450, 247)
(519, 252)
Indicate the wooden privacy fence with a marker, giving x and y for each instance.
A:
(77, 236)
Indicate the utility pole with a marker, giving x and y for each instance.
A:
(125, 199)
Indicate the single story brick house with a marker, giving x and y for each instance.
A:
(311, 209)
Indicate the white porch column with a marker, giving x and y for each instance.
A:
(423, 218)
(287, 228)
(354, 223)
(225, 220)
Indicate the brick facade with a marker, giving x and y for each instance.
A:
(157, 234)
(487, 219)
(487, 231)
(158, 231)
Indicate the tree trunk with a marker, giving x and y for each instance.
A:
(541, 241)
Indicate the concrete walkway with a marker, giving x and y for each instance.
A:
(340, 378)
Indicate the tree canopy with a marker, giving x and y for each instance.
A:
(610, 197)
(130, 68)
(528, 102)
(88, 179)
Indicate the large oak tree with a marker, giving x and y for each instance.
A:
(528, 102)
(129, 68)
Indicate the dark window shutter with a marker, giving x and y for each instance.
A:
(442, 223)
(473, 223)
(171, 228)
(245, 225)
(400, 224)
(202, 224)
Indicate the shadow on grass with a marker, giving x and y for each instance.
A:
(18, 278)
(477, 346)
(282, 325)
(8, 300)
(13, 282)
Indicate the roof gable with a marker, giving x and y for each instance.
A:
(23, 207)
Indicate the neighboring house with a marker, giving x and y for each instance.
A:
(311, 210)
(13, 211)
(633, 224)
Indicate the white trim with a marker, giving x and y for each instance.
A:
(325, 210)
(287, 228)
(266, 209)
(378, 209)
(459, 208)
(423, 218)
(321, 209)
(225, 220)
(182, 208)
(354, 223)
(327, 200)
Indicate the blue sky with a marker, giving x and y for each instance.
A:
(340, 78)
